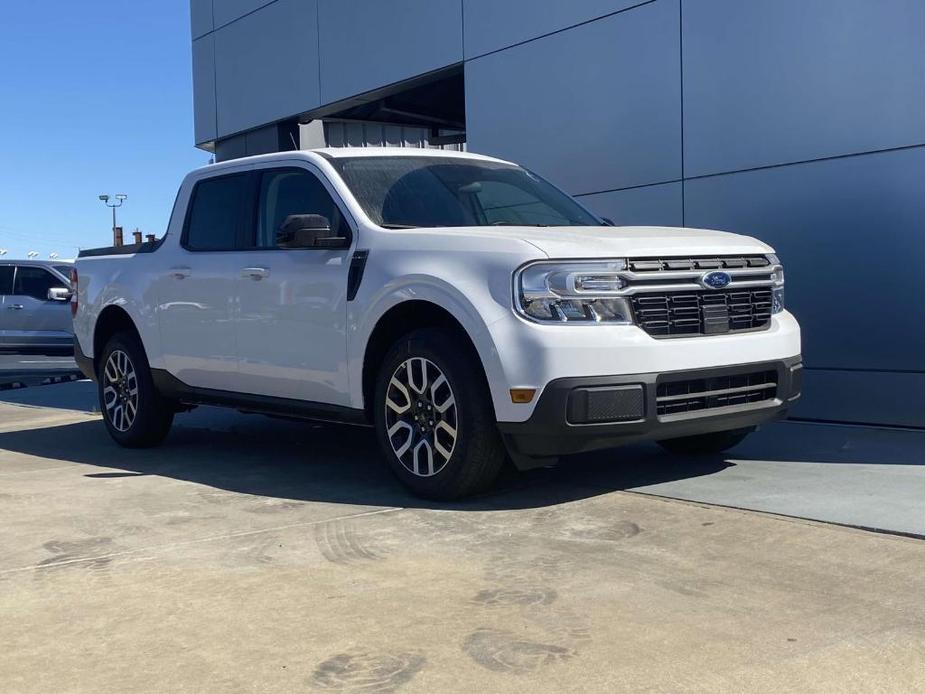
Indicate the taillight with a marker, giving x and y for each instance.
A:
(73, 291)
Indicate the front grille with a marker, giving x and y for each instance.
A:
(677, 397)
(698, 263)
(682, 314)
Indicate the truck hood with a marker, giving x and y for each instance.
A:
(619, 242)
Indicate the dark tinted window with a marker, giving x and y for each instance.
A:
(64, 270)
(409, 191)
(6, 279)
(292, 191)
(34, 282)
(505, 203)
(218, 213)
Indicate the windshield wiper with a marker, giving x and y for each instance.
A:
(517, 224)
(399, 226)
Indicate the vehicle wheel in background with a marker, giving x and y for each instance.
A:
(434, 417)
(135, 414)
(705, 444)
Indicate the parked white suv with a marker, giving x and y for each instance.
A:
(461, 305)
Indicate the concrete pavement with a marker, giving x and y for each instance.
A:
(283, 557)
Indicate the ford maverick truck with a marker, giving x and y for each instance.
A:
(468, 310)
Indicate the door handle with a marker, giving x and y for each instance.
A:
(15, 307)
(255, 273)
(180, 272)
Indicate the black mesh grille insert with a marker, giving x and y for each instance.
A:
(677, 397)
(702, 313)
(712, 263)
(606, 404)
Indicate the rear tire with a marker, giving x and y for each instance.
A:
(705, 444)
(135, 414)
(434, 417)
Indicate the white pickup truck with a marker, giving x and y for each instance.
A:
(464, 307)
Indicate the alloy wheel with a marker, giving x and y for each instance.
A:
(120, 390)
(421, 417)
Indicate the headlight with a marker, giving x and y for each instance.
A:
(777, 291)
(579, 292)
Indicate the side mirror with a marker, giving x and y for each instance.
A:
(59, 294)
(309, 231)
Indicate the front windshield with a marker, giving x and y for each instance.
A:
(408, 192)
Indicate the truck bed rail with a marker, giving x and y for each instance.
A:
(127, 249)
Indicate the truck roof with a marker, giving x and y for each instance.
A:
(345, 152)
(34, 263)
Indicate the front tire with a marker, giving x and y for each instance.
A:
(705, 444)
(434, 417)
(135, 414)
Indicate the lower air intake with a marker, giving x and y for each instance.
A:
(678, 397)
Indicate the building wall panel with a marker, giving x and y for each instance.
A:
(777, 81)
(204, 89)
(267, 66)
(200, 12)
(659, 205)
(864, 397)
(495, 24)
(849, 232)
(593, 108)
(399, 39)
(597, 109)
(226, 11)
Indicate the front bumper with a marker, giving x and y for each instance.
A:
(549, 433)
(521, 354)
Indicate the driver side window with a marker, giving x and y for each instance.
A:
(6, 279)
(35, 282)
(292, 191)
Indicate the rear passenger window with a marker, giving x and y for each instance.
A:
(34, 282)
(6, 279)
(218, 213)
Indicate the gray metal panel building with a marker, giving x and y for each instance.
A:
(801, 122)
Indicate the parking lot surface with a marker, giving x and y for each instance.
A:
(31, 369)
(251, 554)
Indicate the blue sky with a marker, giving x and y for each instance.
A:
(95, 97)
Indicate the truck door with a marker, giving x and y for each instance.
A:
(30, 317)
(196, 291)
(292, 303)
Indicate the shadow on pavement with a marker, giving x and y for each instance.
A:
(79, 396)
(329, 463)
(252, 454)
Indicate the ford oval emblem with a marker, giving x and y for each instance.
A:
(716, 280)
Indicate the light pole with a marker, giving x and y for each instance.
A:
(120, 198)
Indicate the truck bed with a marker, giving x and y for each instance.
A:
(127, 249)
